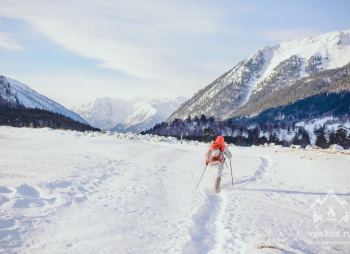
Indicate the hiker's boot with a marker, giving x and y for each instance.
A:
(217, 185)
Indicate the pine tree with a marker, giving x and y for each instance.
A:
(189, 120)
(274, 138)
(301, 138)
(209, 135)
(340, 136)
(204, 119)
(321, 141)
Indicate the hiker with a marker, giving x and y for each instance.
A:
(215, 157)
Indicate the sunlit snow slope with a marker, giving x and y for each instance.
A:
(71, 192)
(128, 114)
(105, 113)
(31, 99)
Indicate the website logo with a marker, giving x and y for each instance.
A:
(331, 208)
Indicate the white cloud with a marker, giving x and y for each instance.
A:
(140, 38)
(288, 34)
(8, 42)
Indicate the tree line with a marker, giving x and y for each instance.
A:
(280, 133)
(39, 118)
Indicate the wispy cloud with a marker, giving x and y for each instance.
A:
(288, 34)
(139, 38)
(157, 47)
(8, 42)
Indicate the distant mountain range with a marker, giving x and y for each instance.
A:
(253, 85)
(15, 93)
(123, 115)
(130, 114)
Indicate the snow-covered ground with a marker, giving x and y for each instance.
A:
(71, 192)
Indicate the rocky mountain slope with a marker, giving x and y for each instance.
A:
(320, 85)
(14, 93)
(129, 114)
(265, 72)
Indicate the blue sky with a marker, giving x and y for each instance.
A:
(75, 51)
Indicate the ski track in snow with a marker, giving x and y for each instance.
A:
(262, 171)
(209, 234)
(69, 192)
(253, 213)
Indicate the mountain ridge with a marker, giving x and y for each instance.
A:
(327, 81)
(17, 93)
(266, 71)
(129, 114)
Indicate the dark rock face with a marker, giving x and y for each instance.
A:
(7, 96)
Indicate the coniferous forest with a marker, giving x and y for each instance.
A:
(285, 132)
(39, 118)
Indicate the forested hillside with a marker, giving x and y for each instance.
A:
(281, 133)
(38, 118)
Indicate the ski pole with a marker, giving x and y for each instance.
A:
(202, 175)
(231, 172)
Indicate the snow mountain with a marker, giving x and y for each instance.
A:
(105, 113)
(128, 114)
(15, 93)
(268, 70)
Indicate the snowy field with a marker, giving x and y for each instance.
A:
(71, 192)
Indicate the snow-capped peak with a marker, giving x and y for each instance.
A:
(27, 97)
(129, 114)
(333, 48)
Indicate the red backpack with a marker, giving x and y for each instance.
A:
(216, 153)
